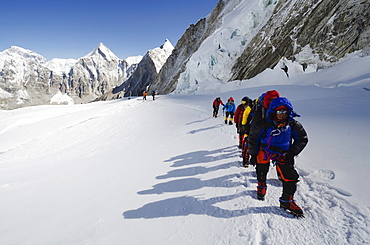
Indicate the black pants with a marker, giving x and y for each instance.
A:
(229, 113)
(215, 109)
(286, 173)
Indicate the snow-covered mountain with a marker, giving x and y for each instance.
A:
(23, 78)
(18, 53)
(145, 73)
(241, 38)
(27, 78)
(94, 74)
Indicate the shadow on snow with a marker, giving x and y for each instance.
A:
(204, 129)
(187, 205)
(198, 157)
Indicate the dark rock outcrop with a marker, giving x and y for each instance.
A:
(331, 28)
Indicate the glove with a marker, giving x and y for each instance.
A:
(253, 159)
(289, 157)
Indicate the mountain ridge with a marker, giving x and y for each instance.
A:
(27, 78)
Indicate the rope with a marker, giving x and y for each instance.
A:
(275, 157)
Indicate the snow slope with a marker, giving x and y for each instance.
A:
(166, 172)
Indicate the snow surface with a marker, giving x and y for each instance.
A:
(61, 66)
(167, 172)
(61, 99)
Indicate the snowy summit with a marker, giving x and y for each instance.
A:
(18, 53)
(104, 51)
(160, 55)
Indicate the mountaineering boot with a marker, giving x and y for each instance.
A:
(245, 156)
(246, 163)
(231, 122)
(287, 203)
(261, 190)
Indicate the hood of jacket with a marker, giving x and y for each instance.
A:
(268, 96)
(281, 101)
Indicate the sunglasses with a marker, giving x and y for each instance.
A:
(281, 112)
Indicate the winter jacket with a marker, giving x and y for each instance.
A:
(238, 116)
(277, 137)
(217, 102)
(245, 124)
(230, 107)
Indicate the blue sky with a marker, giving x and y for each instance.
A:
(72, 28)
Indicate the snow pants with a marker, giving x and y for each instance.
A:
(215, 110)
(285, 171)
(227, 114)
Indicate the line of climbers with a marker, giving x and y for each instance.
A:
(268, 133)
(228, 109)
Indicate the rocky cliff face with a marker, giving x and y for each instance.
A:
(328, 29)
(147, 70)
(188, 44)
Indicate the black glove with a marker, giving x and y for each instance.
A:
(289, 157)
(253, 159)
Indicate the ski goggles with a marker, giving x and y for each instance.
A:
(281, 112)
